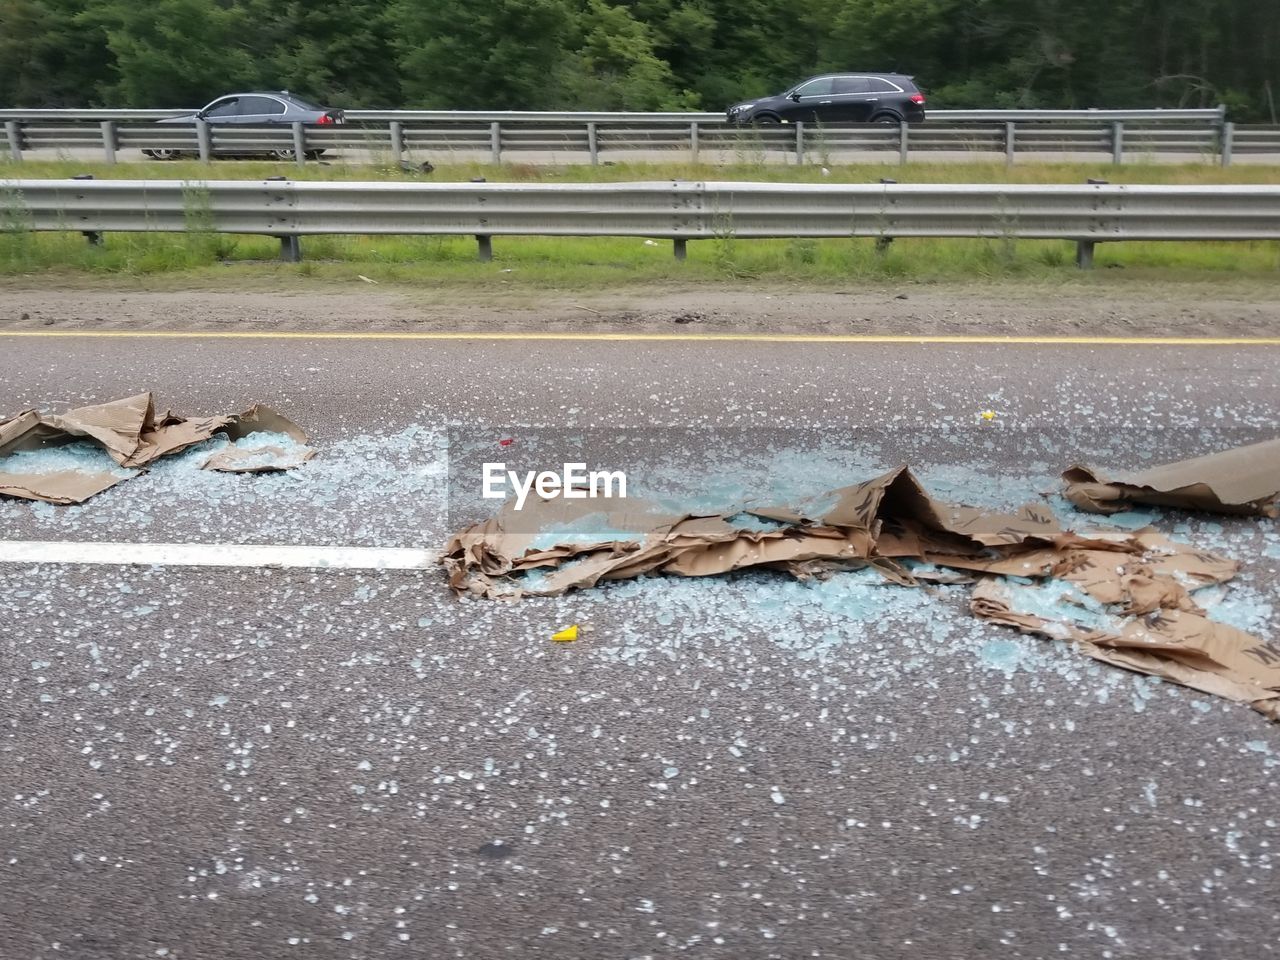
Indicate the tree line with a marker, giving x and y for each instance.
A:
(638, 54)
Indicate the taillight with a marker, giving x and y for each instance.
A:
(917, 98)
(325, 118)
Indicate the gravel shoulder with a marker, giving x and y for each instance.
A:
(1102, 307)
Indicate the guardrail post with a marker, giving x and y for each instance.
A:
(204, 141)
(93, 236)
(884, 241)
(592, 147)
(397, 139)
(799, 141)
(299, 143)
(1084, 254)
(495, 142)
(1227, 142)
(1117, 142)
(693, 142)
(484, 247)
(109, 145)
(680, 247)
(1010, 141)
(902, 141)
(13, 134)
(291, 248)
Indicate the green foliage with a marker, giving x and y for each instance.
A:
(497, 55)
(339, 53)
(638, 54)
(615, 65)
(171, 53)
(48, 56)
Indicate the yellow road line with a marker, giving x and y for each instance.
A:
(852, 338)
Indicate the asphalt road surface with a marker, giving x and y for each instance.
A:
(242, 762)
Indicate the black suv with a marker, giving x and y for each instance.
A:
(838, 98)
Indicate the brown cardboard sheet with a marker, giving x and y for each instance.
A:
(268, 459)
(1139, 586)
(1242, 480)
(61, 487)
(129, 431)
(1178, 646)
(834, 531)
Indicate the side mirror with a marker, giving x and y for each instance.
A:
(794, 96)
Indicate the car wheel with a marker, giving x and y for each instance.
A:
(767, 119)
(886, 118)
(163, 153)
(314, 154)
(286, 154)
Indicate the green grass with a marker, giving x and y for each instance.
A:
(584, 264)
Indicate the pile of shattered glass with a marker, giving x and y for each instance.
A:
(1124, 598)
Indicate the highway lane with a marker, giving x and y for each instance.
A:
(248, 762)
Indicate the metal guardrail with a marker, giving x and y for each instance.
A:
(1159, 115)
(679, 211)
(1195, 133)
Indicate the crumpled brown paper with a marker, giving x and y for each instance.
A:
(269, 459)
(130, 432)
(1140, 585)
(1242, 480)
(1176, 644)
(871, 523)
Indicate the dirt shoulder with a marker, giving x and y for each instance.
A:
(1005, 308)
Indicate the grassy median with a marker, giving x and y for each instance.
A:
(576, 264)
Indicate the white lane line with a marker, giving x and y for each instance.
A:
(216, 555)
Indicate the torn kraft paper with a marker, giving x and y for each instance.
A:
(268, 459)
(1178, 646)
(1242, 480)
(873, 522)
(1129, 598)
(129, 431)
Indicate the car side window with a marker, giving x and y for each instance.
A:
(226, 107)
(882, 86)
(853, 85)
(816, 88)
(257, 106)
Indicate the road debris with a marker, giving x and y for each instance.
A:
(131, 433)
(1175, 643)
(879, 523)
(567, 635)
(271, 458)
(1125, 598)
(1242, 480)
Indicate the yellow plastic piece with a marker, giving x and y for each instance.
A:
(567, 635)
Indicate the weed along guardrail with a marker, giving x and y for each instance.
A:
(671, 210)
(1203, 135)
